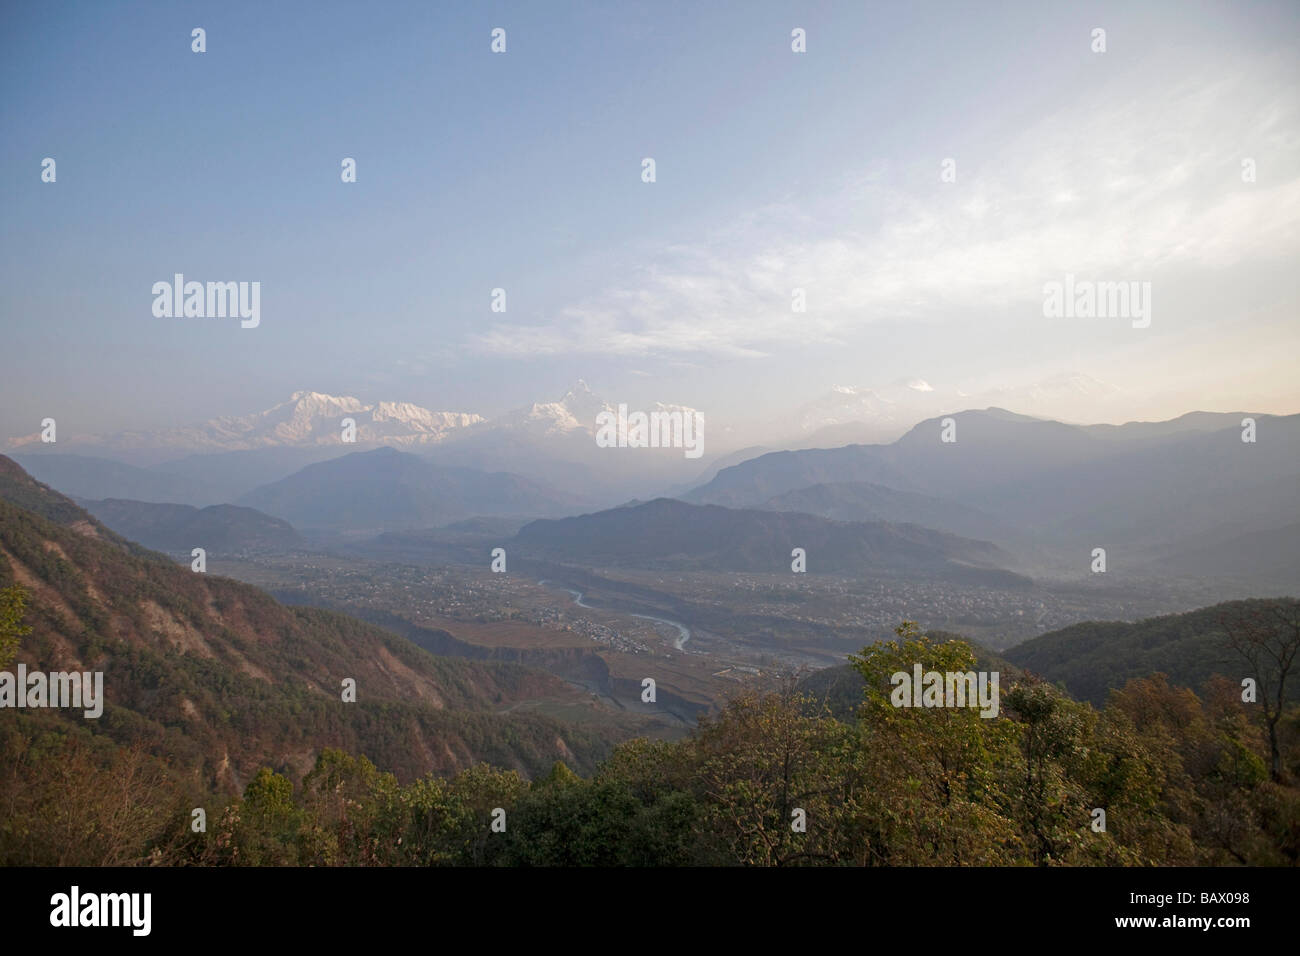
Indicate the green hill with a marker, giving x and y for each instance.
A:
(1092, 658)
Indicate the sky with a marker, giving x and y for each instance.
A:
(775, 171)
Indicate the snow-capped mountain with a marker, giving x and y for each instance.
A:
(307, 419)
(574, 412)
(314, 420)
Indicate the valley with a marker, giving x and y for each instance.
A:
(649, 436)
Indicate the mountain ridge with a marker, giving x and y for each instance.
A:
(668, 533)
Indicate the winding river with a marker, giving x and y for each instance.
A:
(683, 632)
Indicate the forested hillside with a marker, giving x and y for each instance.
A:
(217, 679)
(1180, 780)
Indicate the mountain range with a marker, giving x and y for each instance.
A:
(1184, 497)
(1144, 491)
(856, 414)
(218, 460)
(226, 458)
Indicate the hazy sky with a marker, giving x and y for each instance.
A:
(522, 170)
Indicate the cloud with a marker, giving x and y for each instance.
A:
(1128, 180)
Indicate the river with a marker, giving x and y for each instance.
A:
(683, 632)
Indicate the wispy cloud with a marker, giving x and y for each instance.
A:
(1116, 185)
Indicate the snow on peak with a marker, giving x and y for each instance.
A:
(422, 419)
(574, 413)
(307, 418)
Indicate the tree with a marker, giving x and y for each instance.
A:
(780, 786)
(1267, 636)
(1049, 801)
(268, 822)
(353, 812)
(939, 776)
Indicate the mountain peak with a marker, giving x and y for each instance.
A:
(305, 397)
